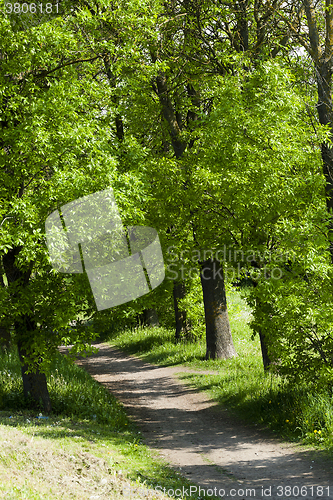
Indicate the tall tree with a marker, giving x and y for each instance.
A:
(181, 104)
(312, 29)
(56, 146)
(210, 37)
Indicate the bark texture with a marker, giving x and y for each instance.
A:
(219, 343)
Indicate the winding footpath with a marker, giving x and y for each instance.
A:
(199, 438)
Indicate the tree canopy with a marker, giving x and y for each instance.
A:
(202, 118)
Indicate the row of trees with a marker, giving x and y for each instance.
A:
(211, 120)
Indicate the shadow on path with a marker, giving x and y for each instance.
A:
(199, 437)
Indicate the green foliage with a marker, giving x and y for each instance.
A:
(253, 183)
(57, 144)
(255, 164)
(250, 176)
(11, 388)
(294, 313)
(51, 154)
(130, 315)
(157, 344)
(193, 305)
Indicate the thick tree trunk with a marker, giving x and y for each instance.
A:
(219, 341)
(34, 383)
(183, 327)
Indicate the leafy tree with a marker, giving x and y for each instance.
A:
(172, 105)
(311, 28)
(177, 113)
(259, 170)
(210, 39)
(56, 146)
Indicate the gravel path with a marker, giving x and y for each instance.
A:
(202, 441)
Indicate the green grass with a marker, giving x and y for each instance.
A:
(294, 413)
(87, 448)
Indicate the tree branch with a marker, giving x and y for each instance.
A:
(329, 29)
(44, 73)
(292, 28)
(313, 30)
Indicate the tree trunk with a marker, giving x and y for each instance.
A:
(4, 337)
(183, 327)
(34, 384)
(172, 118)
(263, 340)
(264, 351)
(325, 114)
(150, 317)
(219, 341)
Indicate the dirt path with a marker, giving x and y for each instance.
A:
(200, 439)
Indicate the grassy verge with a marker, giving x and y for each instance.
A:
(293, 413)
(87, 449)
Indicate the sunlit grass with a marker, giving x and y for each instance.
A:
(87, 446)
(241, 384)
